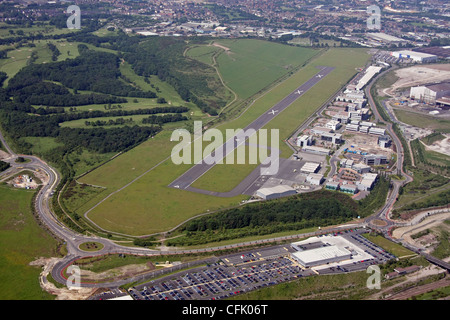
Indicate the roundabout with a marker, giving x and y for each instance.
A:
(91, 246)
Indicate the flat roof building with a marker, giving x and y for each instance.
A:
(333, 125)
(316, 150)
(275, 192)
(321, 255)
(369, 74)
(375, 159)
(334, 138)
(377, 131)
(349, 188)
(415, 56)
(310, 167)
(384, 141)
(314, 178)
(352, 127)
(367, 182)
(303, 141)
(332, 185)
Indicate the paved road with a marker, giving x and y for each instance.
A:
(383, 214)
(190, 176)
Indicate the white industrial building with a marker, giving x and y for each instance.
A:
(384, 141)
(367, 182)
(314, 178)
(352, 127)
(317, 150)
(377, 131)
(324, 251)
(430, 93)
(364, 129)
(369, 74)
(275, 192)
(334, 138)
(310, 167)
(333, 125)
(303, 141)
(385, 38)
(321, 255)
(415, 56)
(358, 167)
(342, 117)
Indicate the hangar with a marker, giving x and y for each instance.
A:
(415, 56)
(275, 192)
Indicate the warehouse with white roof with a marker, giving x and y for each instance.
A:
(275, 192)
(415, 56)
(322, 255)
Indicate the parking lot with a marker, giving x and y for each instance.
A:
(219, 281)
(242, 272)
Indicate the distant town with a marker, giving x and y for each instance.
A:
(316, 23)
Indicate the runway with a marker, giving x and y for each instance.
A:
(190, 176)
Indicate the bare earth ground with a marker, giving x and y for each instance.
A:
(442, 146)
(406, 232)
(419, 75)
(4, 155)
(60, 293)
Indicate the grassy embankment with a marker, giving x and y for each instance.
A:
(22, 241)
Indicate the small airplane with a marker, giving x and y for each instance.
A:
(299, 92)
(319, 76)
(273, 112)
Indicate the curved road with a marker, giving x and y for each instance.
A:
(383, 214)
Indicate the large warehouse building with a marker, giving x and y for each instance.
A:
(415, 56)
(320, 251)
(430, 93)
(275, 192)
(321, 255)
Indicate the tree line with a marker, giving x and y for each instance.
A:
(90, 71)
(301, 211)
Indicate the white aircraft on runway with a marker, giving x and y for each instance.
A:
(273, 112)
(299, 92)
(319, 76)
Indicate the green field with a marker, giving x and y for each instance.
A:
(148, 206)
(22, 241)
(423, 121)
(203, 53)
(252, 65)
